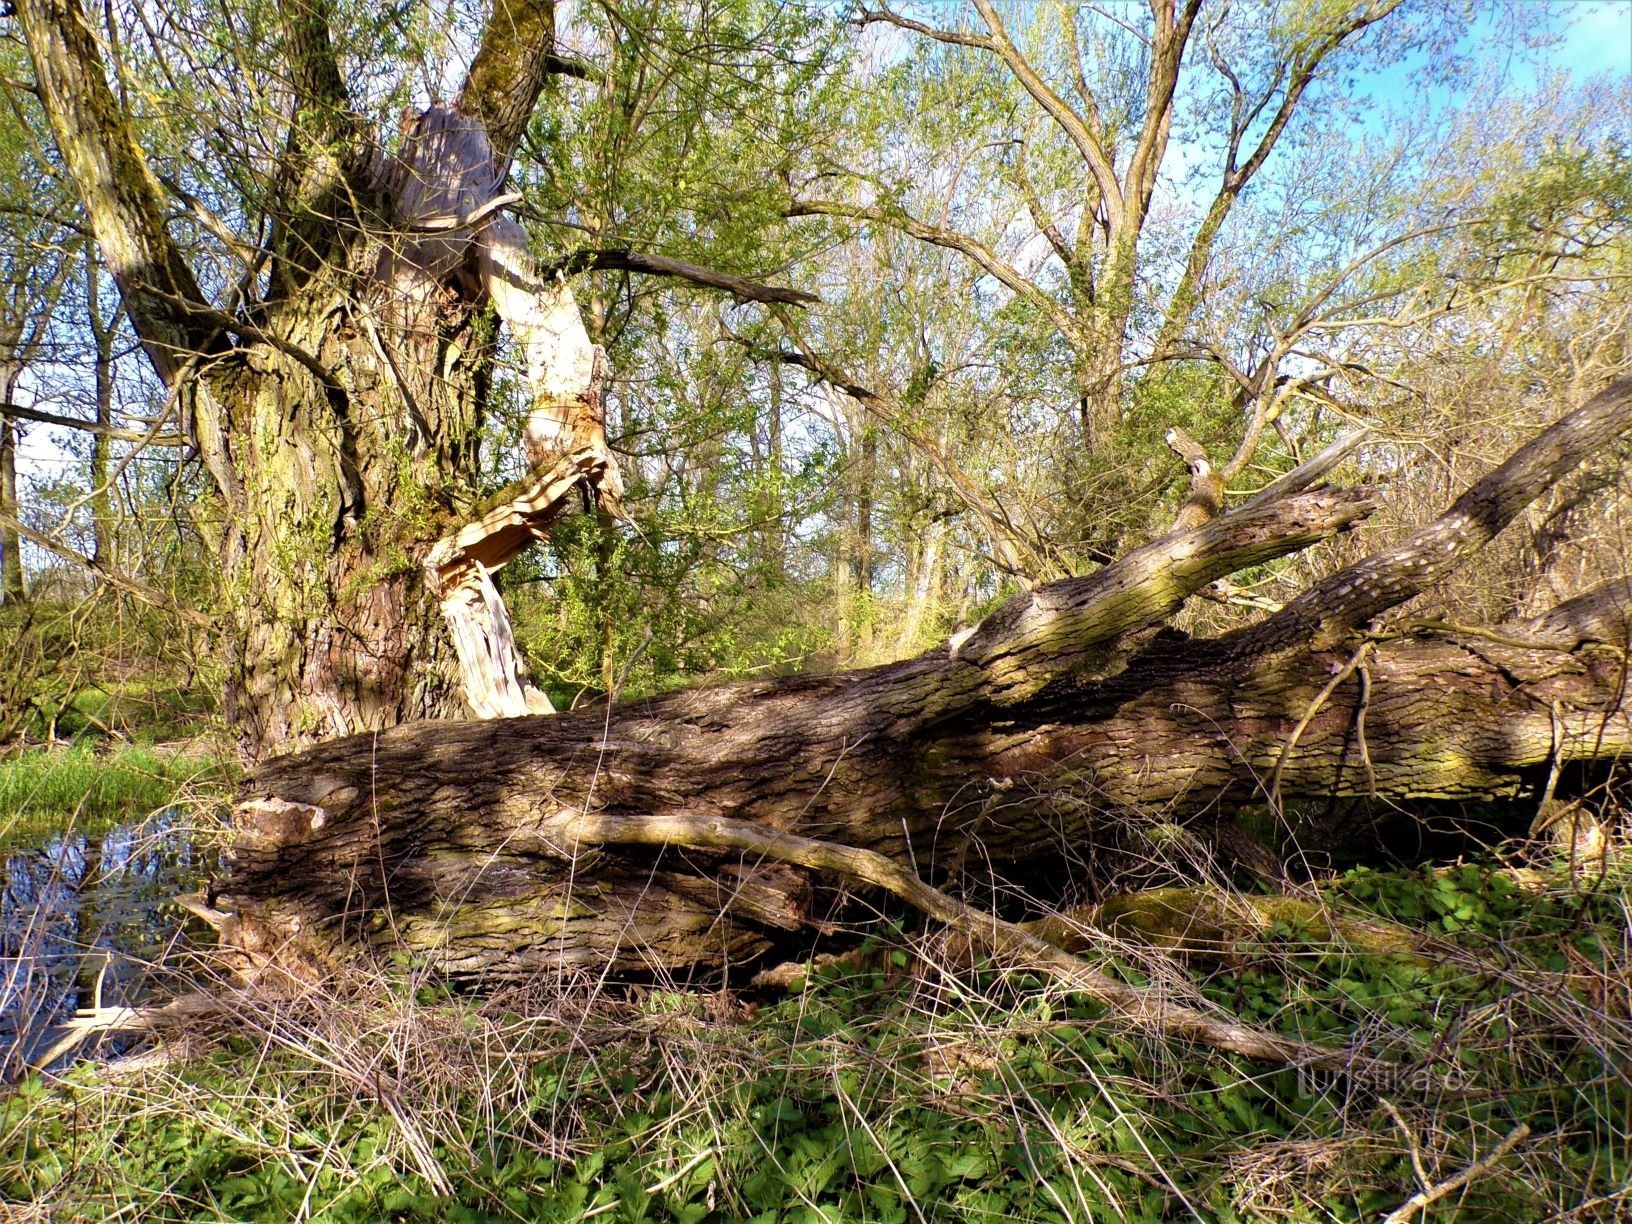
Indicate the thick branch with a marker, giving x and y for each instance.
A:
(324, 160)
(1328, 611)
(739, 287)
(122, 198)
(516, 57)
(1172, 35)
(314, 69)
(1076, 626)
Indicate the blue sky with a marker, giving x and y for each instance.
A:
(1597, 36)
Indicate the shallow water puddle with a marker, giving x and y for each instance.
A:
(90, 919)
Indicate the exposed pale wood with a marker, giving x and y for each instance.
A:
(446, 182)
(1206, 496)
(565, 371)
(459, 568)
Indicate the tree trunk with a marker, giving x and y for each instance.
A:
(619, 837)
(12, 588)
(103, 335)
(339, 415)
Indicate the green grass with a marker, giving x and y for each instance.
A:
(145, 709)
(898, 1093)
(43, 790)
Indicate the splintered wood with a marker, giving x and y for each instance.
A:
(446, 180)
(460, 570)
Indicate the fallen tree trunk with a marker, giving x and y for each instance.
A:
(693, 831)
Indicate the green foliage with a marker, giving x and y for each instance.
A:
(883, 1093)
(101, 667)
(38, 788)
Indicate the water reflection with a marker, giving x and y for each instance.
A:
(86, 919)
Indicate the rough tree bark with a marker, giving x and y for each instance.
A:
(696, 830)
(338, 410)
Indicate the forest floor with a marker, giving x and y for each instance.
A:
(893, 1085)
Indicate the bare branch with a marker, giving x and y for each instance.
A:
(1004, 533)
(994, 265)
(18, 412)
(739, 287)
(957, 38)
(113, 577)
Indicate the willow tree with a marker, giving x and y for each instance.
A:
(323, 318)
(1190, 213)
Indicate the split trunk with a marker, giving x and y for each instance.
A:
(336, 393)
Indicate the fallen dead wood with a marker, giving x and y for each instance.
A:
(695, 832)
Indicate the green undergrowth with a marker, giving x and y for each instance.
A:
(43, 791)
(903, 1093)
(150, 709)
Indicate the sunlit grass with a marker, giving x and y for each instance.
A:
(44, 790)
(147, 709)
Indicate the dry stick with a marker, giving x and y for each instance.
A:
(1005, 941)
(1432, 1193)
(1343, 673)
(1360, 730)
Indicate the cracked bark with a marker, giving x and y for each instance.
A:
(485, 847)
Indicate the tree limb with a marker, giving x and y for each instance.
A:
(122, 198)
(145, 437)
(1094, 154)
(516, 56)
(739, 287)
(1011, 945)
(1236, 177)
(1328, 611)
(1172, 34)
